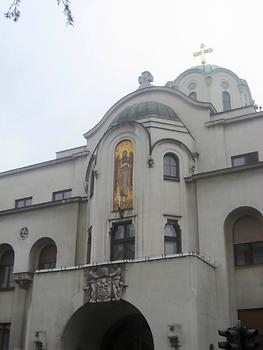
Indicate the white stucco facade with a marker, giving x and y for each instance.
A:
(83, 301)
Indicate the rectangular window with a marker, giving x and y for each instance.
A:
(60, 195)
(23, 202)
(253, 319)
(123, 241)
(248, 253)
(4, 335)
(172, 237)
(245, 159)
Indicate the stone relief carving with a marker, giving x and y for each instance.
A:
(104, 283)
(23, 279)
(24, 232)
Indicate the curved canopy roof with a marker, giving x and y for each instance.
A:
(144, 109)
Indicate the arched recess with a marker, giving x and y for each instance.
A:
(237, 275)
(107, 326)
(7, 257)
(43, 254)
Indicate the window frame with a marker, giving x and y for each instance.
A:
(177, 239)
(226, 101)
(167, 174)
(63, 192)
(126, 241)
(6, 332)
(250, 257)
(24, 201)
(245, 248)
(8, 275)
(249, 158)
(49, 264)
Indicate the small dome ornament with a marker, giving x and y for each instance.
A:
(145, 80)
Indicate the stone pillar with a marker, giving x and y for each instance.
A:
(18, 322)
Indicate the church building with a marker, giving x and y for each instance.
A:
(150, 236)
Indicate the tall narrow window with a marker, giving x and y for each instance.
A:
(248, 241)
(6, 270)
(226, 101)
(48, 257)
(172, 238)
(89, 245)
(123, 241)
(170, 167)
(4, 336)
(193, 95)
(92, 183)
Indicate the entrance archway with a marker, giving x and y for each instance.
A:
(107, 326)
(129, 333)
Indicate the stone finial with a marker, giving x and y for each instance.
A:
(145, 80)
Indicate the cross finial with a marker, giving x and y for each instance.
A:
(202, 52)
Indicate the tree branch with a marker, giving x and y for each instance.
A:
(14, 12)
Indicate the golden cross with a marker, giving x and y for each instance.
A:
(202, 52)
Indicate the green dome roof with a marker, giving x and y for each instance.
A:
(207, 68)
(145, 109)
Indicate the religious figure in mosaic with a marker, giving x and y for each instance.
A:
(123, 171)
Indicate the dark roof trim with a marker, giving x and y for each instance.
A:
(224, 171)
(71, 200)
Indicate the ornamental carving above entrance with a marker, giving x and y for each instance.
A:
(104, 283)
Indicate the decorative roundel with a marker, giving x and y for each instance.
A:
(225, 84)
(24, 232)
(192, 86)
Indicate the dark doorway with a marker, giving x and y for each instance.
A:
(130, 333)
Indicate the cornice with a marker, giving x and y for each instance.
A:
(224, 171)
(43, 164)
(71, 200)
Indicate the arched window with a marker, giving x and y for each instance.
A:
(172, 237)
(193, 95)
(170, 167)
(248, 241)
(6, 270)
(123, 241)
(47, 257)
(226, 101)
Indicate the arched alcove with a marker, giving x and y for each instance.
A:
(107, 326)
(241, 229)
(43, 254)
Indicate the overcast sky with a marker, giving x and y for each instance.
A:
(57, 82)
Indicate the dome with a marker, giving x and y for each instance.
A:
(214, 84)
(144, 109)
(207, 68)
